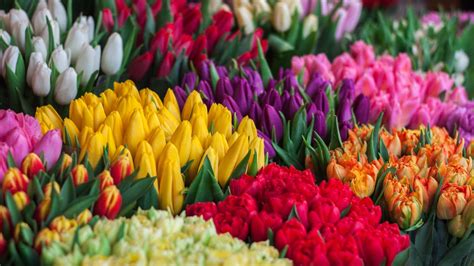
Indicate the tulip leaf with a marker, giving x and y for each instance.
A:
(13, 209)
(55, 206)
(383, 151)
(271, 237)
(127, 181)
(137, 190)
(149, 200)
(279, 45)
(69, 14)
(336, 141)
(127, 50)
(401, 258)
(264, 68)
(28, 44)
(241, 167)
(286, 159)
(50, 39)
(204, 187)
(206, 15)
(79, 205)
(14, 253)
(424, 240)
(458, 252)
(345, 211)
(150, 26)
(10, 160)
(165, 15)
(293, 214)
(295, 30)
(253, 169)
(214, 76)
(283, 252)
(68, 191)
(127, 210)
(37, 189)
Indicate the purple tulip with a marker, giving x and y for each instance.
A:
(9, 121)
(50, 146)
(316, 84)
(181, 96)
(222, 71)
(308, 7)
(242, 94)
(271, 85)
(255, 113)
(291, 106)
(361, 109)
(203, 69)
(320, 99)
(311, 110)
(223, 88)
(189, 81)
(344, 111)
(233, 107)
(272, 122)
(290, 81)
(273, 98)
(268, 144)
(205, 88)
(320, 123)
(255, 81)
(347, 90)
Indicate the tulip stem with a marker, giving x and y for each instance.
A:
(41, 101)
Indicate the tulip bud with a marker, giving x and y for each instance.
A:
(84, 217)
(136, 131)
(195, 156)
(5, 36)
(182, 140)
(199, 126)
(245, 19)
(335, 170)
(45, 237)
(59, 13)
(193, 99)
(281, 17)
(66, 162)
(40, 19)
(48, 118)
(66, 87)
(43, 209)
(88, 62)
(113, 54)
(79, 175)
(56, 34)
(76, 38)
(10, 59)
(219, 144)
(41, 80)
(32, 165)
(171, 103)
(48, 189)
(109, 203)
(21, 200)
(171, 195)
(257, 150)
(60, 58)
(62, 224)
(3, 245)
(94, 148)
(145, 161)
(14, 181)
(14, 16)
(405, 210)
(23, 233)
(39, 46)
(233, 157)
(49, 147)
(247, 127)
(452, 201)
(168, 122)
(19, 32)
(221, 118)
(4, 217)
(456, 226)
(105, 179)
(121, 168)
(310, 25)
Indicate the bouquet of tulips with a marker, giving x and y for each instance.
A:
(46, 57)
(153, 237)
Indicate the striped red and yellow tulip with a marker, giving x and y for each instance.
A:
(157, 137)
(418, 171)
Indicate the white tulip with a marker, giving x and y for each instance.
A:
(56, 34)
(281, 17)
(241, 3)
(41, 5)
(41, 80)
(40, 46)
(66, 87)
(245, 19)
(113, 54)
(89, 21)
(88, 62)
(61, 58)
(10, 59)
(294, 6)
(13, 17)
(461, 61)
(76, 38)
(310, 25)
(36, 59)
(59, 13)
(5, 36)
(40, 20)
(19, 32)
(261, 7)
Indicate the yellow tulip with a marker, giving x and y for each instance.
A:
(72, 131)
(157, 141)
(200, 128)
(171, 104)
(195, 156)
(221, 119)
(136, 131)
(109, 136)
(94, 148)
(182, 140)
(257, 146)
(219, 144)
(171, 189)
(169, 151)
(126, 106)
(126, 88)
(200, 109)
(152, 119)
(145, 160)
(114, 121)
(247, 127)
(76, 110)
(168, 122)
(91, 99)
(148, 96)
(99, 115)
(233, 138)
(233, 157)
(193, 99)
(213, 159)
(84, 136)
(108, 98)
(48, 118)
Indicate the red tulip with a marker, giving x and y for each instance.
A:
(205, 209)
(107, 19)
(105, 180)
(166, 65)
(32, 165)
(213, 36)
(289, 232)
(4, 217)
(140, 65)
(228, 223)
(260, 223)
(121, 168)
(199, 47)
(324, 212)
(162, 38)
(42, 211)
(79, 175)
(192, 18)
(109, 202)
(223, 20)
(3, 245)
(14, 181)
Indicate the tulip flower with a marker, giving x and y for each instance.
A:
(10, 59)
(56, 34)
(43, 209)
(32, 165)
(452, 201)
(234, 156)
(109, 202)
(36, 59)
(77, 37)
(281, 17)
(171, 186)
(62, 224)
(50, 147)
(48, 189)
(182, 140)
(49, 118)
(18, 33)
(79, 175)
(245, 19)
(121, 168)
(45, 237)
(113, 55)
(88, 62)
(40, 82)
(310, 25)
(59, 13)
(21, 199)
(40, 19)
(84, 217)
(66, 87)
(145, 160)
(405, 211)
(61, 58)
(105, 180)
(39, 46)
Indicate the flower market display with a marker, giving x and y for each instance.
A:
(236, 132)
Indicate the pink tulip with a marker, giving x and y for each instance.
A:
(8, 121)
(366, 85)
(436, 83)
(4, 150)
(344, 67)
(363, 54)
(20, 143)
(458, 96)
(421, 117)
(50, 145)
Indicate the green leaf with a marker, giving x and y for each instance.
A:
(402, 258)
(345, 211)
(165, 15)
(283, 252)
(271, 237)
(12, 208)
(10, 160)
(264, 68)
(68, 191)
(458, 252)
(253, 169)
(79, 205)
(336, 141)
(294, 214)
(204, 187)
(137, 190)
(14, 253)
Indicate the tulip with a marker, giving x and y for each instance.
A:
(43, 209)
(109, 137)
(9, 60)
(21, 199)
(4, 217)
(136, 131)
(272, 122)
(361, 109)
(66, 87)
(145, 160)
(14, 181)
(113, 55)
(22, 233)
(193, 99)
(452, 201)
(219, 143)
(94, 148)
(3, 245)
(19, 32)
(88, 62)
(107, 19)
(62, 224)
(15, 16)
(56, 34)
(84, 217)
(195, 156)
(109, 203)
(40, 19)
(5, 36)
(48, 189)
(320, 124)
(221, 118)
(456, 226)
(182, 140)
(171, 103)
(405, 210)
(61, 58)
(79, 175)
(59, 13)
(50, 146)
(41, 80)
(171, 195)
(281, 17)
(39, 46)
(20, 140)
(310, 25)
(199, 126)
(257, 150)
(66, 162)
(77, 37)
(213, 158)
(140, 65)
(461, 61)
(36, 59)
(121, 168)
(467, 214)
(105, 179)
(45, 237)
(245, 19)
(49, 118)
(234, 156)
(32, 165)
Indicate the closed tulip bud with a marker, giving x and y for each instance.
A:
(211, 154)
(14, 16)
(257, 147)
(108, 99)
(168, 122)
(48, 118)
(281, 17)
(467, 214)
(219, 144)
(171, 195)
(405, 210)
(23, 233)
(56, 33)
(84, 217)
(71, 131)
(3, 245)
(40, 81)
(221, 118)
(171, 103)
(456, 226)
(199, 126)
(14, 181)
(109, 203)
(76, 38)
(105, 179)
(79, 175)
(195, 156)
(109, 137)
(45, 237)
(62, 224)
(19, 32)
(233, 157)
(272, 122)
(113, 55)
(182, 140)
(65, 163)
(200, 110)
(114, 121)
(310, 25)
(425, 189)
(88, 62)
(49, 147)
(21, 200)
(4, 217)
(39, 46)
(10, 59)
(193, 99)
(60, 58)
(247, 127)
(136, 131)
(59, 13)
(48, 189)
(94, 148)
(157, 141)
(145, 160)
(126, 106)
(245, 19)
(121, 168)
(452, 201)
(5, 36)
(335, 170)
(40, 19)
(32, 165)
(43, 209)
